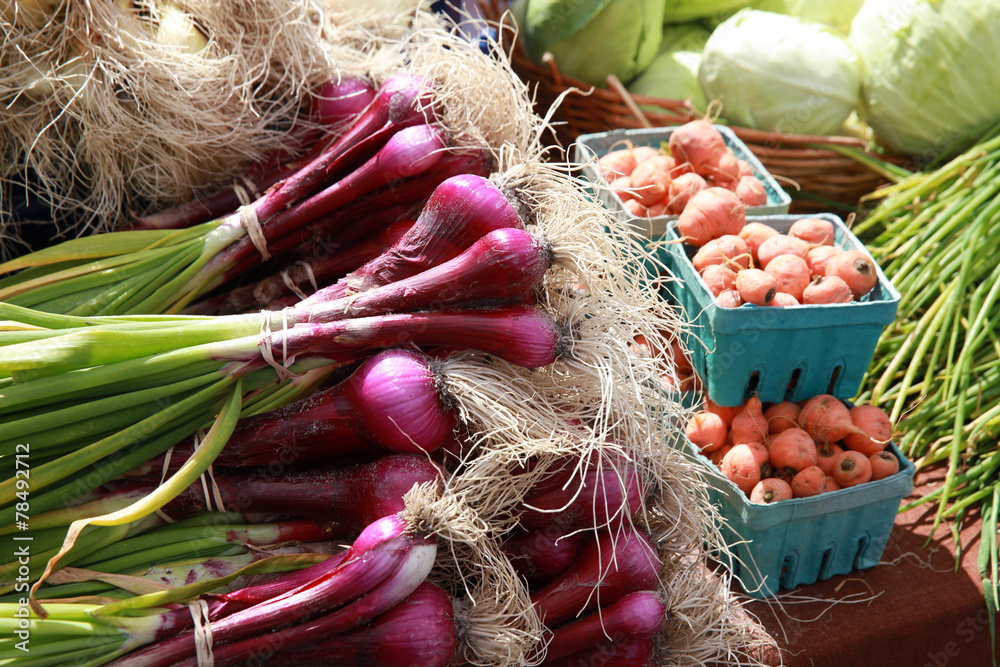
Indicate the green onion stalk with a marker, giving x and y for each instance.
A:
(205, 547)
(147, 541)
(937, 367)
(91, 633)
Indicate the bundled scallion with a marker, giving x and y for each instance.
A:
(386, 563)
(163, 270)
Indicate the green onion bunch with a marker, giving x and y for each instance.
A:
(937, 367)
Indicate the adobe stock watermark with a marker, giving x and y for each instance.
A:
(22, 546)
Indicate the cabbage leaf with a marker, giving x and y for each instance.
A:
(931, 78)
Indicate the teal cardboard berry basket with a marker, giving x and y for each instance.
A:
(801, 541)
(786, 353)
(590, 147)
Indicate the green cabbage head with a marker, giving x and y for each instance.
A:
(781, 73)
(591, 39)
(931, 74)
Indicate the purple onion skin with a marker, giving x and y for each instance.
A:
(354, 496)
(413, 192)
(408, 153)
(420, 631)
(616, 563)
(401, 102)
(543, 554)
(222, 605)
(608, 495)
(338, 261)
(367, 213)
(390, 403)
(459, 212)
(332, 105)
(338, 100)
(505, 264)
(521, 335)
(638, 615)
(229, 603)
(640, 652)
(375, 558)
(395, 588)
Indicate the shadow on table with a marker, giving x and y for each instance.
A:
(915, 609)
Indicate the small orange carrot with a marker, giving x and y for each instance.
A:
(825, 455)
(741, 467)
(826, 419)
(781, 416)
(791, 273)
(851, 468)
(819, 256)
(792, 449)
(770, 490)
(682, 362)
(728, 249)
(809, 481)
(650, 179)
(749, 425)
(706, 430)
(682, 188)
(856, 269)
(814, 231)
(658, 209)
(617, 164)
(751, 191)
(727, 413)
(726, 172)
(718, 277)
(778, 245)
(729, 298)
(709, 214)
(884, 464)
(874, 429)
(784, 299)
(827, 289)
(643, 153)
(756, 286)
(635, 208)
(719, 454)
(755, 233)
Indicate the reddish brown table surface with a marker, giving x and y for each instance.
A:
(922, 612)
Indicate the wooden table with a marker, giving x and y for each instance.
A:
(913, 610)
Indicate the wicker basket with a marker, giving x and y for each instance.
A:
(818, 178)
